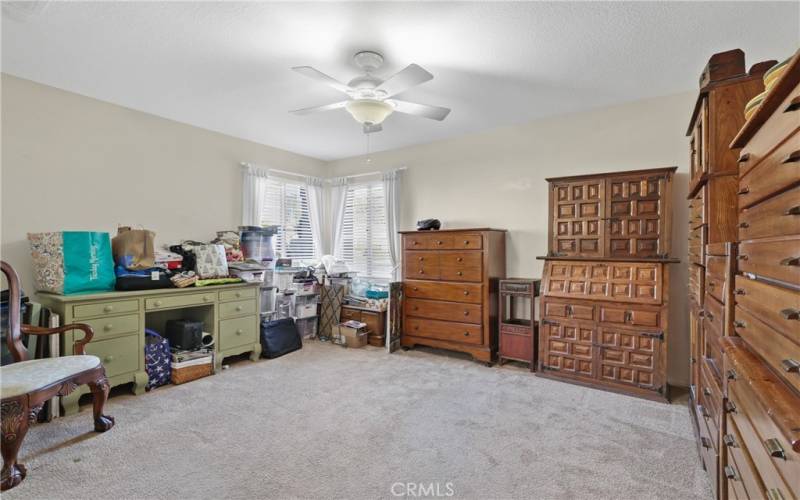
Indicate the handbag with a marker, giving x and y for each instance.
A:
(67, 262)
(211, 261)
(157, 359)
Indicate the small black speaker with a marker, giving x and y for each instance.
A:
(184, 334)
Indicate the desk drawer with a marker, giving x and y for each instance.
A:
(775, 306)
(447, 311)
(348, 314)
(716, 272)
(776, 216)
(113, 325)
(444, 330)
(242, 293)
(561, 310)
(461, 266)
(429, 241)
(777, 258)
(238, 308)
(776, 172)
(421, 265)
(119, 356)
(634, 316)
(237, 332)
(468, 242)
(746, 481)
(697, 244)
(696, 209)
(104, 308)
(710, 396)
(195, 299)
(453, 292)
(780, 353)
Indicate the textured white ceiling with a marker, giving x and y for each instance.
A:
(225, 66)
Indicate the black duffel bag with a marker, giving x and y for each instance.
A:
(279, 337)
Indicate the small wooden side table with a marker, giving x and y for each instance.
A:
(519, 332)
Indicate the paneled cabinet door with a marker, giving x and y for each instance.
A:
(568, 347)
(630, 357)
(636, 218)
(578, 212)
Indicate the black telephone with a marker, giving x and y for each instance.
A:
(429, 225)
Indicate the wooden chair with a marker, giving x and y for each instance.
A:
(26, 385)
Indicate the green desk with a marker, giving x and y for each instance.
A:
(229, 312)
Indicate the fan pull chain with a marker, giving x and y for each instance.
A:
(369, 158)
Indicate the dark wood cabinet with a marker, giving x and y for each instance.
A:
(450, 289)
(375, 320)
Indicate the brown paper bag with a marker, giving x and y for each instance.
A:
(134, 248)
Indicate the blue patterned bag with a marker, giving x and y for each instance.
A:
(157, 359)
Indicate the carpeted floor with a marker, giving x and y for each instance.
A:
(328, 422)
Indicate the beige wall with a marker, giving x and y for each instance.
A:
(496, 179)
(74, 163)
(71, 162)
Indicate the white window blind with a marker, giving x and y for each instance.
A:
(286, 205)
(364, 242)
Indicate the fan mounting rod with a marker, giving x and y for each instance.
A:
(368, 60)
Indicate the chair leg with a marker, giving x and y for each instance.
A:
(99, 390)
(14, 414)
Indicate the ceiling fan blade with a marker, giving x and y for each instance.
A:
(369, 129)
(322, 77)
(411, 76)
(413, 108)
(316, 109)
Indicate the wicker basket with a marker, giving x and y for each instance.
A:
(181, 375)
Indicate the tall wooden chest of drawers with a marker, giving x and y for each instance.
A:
(605, 288)
(450, 289)
(725, 88)
(762, 357)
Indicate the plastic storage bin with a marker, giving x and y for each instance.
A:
(307, 327)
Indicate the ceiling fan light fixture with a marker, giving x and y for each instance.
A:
(369, 111)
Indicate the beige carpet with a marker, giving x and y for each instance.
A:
(329, 422)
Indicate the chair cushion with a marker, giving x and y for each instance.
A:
(28, 376)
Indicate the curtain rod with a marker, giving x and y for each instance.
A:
(286, 172)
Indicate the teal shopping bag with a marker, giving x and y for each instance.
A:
(88, 262)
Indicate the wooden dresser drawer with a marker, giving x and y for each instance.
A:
(113, 325)
(716, 271)
(119, 355)
(630, 315)
(777, 307)
(696, 284)
(743, 477)
(779, 352)
(785, 121)
(696, 209)
(237, 308)
(710, 395)
(444, 330)
(428, 241)
(179, 301)
(446, 311)
(776, 216)
(237, 332)
(453, 292)
(636, 282)
(778, 465)
(775, 173)
(242, 293)
(775, 258)
(421, 265)
(104, 308)
(697, 244)
(707, 452)
(461, 266)
(348, 314)
(468, 242)
(560, 310)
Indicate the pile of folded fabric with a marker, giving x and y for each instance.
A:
(771, 77)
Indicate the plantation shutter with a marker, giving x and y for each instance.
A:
(364, 241)
(286, 205)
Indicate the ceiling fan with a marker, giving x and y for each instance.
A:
(370, 98)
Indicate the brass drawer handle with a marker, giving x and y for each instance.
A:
(743, 225)
(730, 407)
(108, 309)
(414, 242)
(466, 292)
(709, 316)
(792, 157)
(459, 259)
(742, 257)
(466, 334)
(421, 259)
(466, 242)
(711, 285)
(705, 442)
(466, 313)
(744, 157)
(790, 365)
(729, 441)
(416, 308)
(732, 375)
(459, 273)
(438, 242)
(744, 190)
(793, 106)
(739, 323)
(774, 448)
(415, 289)
(791, 261)
(730, 472)
(739, 291)
(795, 210)
(706, 391)
(701, 410)
(790, 314)
(421, 271)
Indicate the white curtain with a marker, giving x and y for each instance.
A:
(391, 189)
(337, 197)
(253, 193)
(315, 188)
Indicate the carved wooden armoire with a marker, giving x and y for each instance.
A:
(605, 287)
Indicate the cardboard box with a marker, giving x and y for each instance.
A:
(353, 337)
